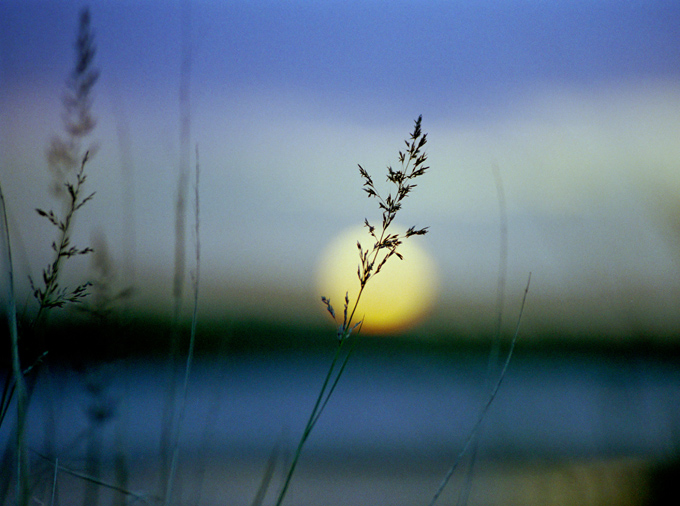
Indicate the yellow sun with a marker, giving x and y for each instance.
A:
(397, 298)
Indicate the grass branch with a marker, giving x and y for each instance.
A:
(371, 261)
(49, 295)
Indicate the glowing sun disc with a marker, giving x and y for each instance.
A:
(397, 298)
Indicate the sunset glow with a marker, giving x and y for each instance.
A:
(396, 299)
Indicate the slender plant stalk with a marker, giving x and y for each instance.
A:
(54, 482)
(371, 262)
(487, 405)
(63, 157)
(502, 270)
(7, 393)
(266, 477)
(169, 409)
(49, 296)
(192, 340)
(22, 489)
(500, 303)
(97, 481)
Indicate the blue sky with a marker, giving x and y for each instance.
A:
(576, 103)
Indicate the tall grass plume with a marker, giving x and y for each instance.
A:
(66, 162)
(371, 261)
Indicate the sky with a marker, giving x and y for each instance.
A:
(575, 104)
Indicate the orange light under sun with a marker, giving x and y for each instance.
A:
(396, 299)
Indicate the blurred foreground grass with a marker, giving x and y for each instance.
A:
(509, 471)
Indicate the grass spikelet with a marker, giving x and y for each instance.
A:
(49, 294)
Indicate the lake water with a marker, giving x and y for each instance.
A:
(394, 407)
(576, 405)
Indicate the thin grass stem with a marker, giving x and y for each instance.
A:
(192, 338)
(19, 384)
(54, 482)
(494, 353)
(337, 377)
(97, 481)
(389, 205)
(310, 424)
(323, 397)
(487, 405)
(502, 269)
(266, 477)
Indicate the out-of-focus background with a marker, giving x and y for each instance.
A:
(573, 106)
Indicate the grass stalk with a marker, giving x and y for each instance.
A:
(169, 421)
(321, 401)
(91, 479)
(371, 262)
(482, 415)
(305, 435)
(494, 353)
(266, 477)
(502, 271)
(192, 338)
(53, 496)
(63, 157)
(22, 486)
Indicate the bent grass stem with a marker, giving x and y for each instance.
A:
(319, 405)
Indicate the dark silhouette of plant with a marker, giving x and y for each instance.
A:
(386, 244)
(67, 165)
(50, 295)
(371, 262)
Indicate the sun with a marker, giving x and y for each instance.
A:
(396, 299)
